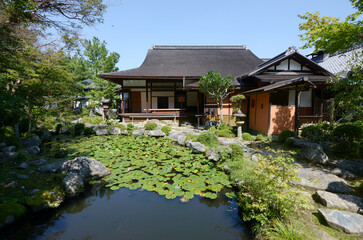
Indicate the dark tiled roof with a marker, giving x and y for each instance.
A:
(190, 62)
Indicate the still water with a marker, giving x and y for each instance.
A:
(134, 214)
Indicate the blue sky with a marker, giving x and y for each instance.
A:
(267, 27)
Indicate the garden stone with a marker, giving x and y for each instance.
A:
(314, 152)
(34, 191)
(136, 133)
(23, 165)
(197, 147)
(346, 202)
(39, 162)
(228, 141)
(226, 168)
(115, 131)
(9, 149)
(298, 142)
(31, 141)
(255, 157)
(124, 132)
(156, 133)
(174, 135)
(86, 167)
(73, 183)
(100, 131)
(248, 150)
(2, 144)
(111, 113)
(12, 184)
(32, 150)
(316, 179)
(351, 166)
(208, 124)
(46, 135)
(212, 155)
(31, 172)
(187, 143)
(22, 176)
(53, 167)
(181, 139)
(351, 223)
(40, 200)
(343, 173)
(10, 155)
(89, 125)
(326, 145)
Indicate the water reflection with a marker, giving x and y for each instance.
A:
(126, 214)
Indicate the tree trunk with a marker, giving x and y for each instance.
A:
(221, 110)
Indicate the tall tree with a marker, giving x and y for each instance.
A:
(216, 87)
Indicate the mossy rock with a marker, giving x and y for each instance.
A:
(46, 199)
(7, 210)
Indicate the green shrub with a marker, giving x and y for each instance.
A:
(131, 127)
(348, 139)
(284, 135)
(209, 139)
(247, 136)
(7, 135)
(287, 230)
(166, 130)
(88, 131)
(237, 151)
(58, 128)
(150, 126)
(121, 127)
(79, 128)
(97, 120)
(224, 130)
(313, 133)
(190, 136)
(261, 137)
(23, 157)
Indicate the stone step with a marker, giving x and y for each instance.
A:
(341, 201)
(348, 222)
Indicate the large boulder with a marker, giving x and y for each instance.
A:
(100, 130)
(346, 202)
(86, 167)
(136, 133)
(228, 141)
(315, 179)
(111, 113)
(31, 141)
(348, 222)
(73, 183)
(156, 133)
(351, 166)
(181, 138)
(115, 131)
(314, 152)
(197, 147)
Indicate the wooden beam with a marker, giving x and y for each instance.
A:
(297, 97)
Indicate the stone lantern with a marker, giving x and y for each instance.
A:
(239, 122)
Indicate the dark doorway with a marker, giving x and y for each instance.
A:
(163, 102)
(135, 102)
(180, 99)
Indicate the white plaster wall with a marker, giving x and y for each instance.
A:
(295, 65)
(283, 65)
(192, 99)
(305, 98)
(134, 83)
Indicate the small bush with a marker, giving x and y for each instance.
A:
(209, 139)
(166, 130)
(313, 133)
(261, 137)
(348, 139)
(150, 126)
(121, 127)
(237, 151)
(284, 135)
(23, 157)
(58, 128)
(88, 131)
(247, 136)
(131, 127)
(79, 128)
(7, 134)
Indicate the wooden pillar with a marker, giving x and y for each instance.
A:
(297, 111)
(147, 96)
(123, 97)
(151, 94)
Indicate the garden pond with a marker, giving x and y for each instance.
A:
(156, 190)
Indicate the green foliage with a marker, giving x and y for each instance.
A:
(150, 126)
(331, 34)
(237, 151)
(166, 130)
(154, 165)
(261, 137)
(348, 138)
(7, 209)
(284, 230)
(7, 135)
(209, 139)
(265, 193)
(224, 130)
(237, 101)
(247, 136)
(131, 127)
(88, 131)
(122, 127)
(216, 86)
(23, 157)
(79, 128)
(284, 135)
(58, 128)
(313, 133)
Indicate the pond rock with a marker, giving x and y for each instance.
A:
(348, 222)
(213, 155)
(23, 165)
(136, 133)
(115, 131)
(31, 141)
(73, 183)
(38, 162)
(32, 150)
(314, 152)
(343, 173)
(9, 149)
(86, 167)
(197, 147)
(100, 131)
(346, 202)
(124, 132)
(315, 179)
(54, 167)
(156, 133)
